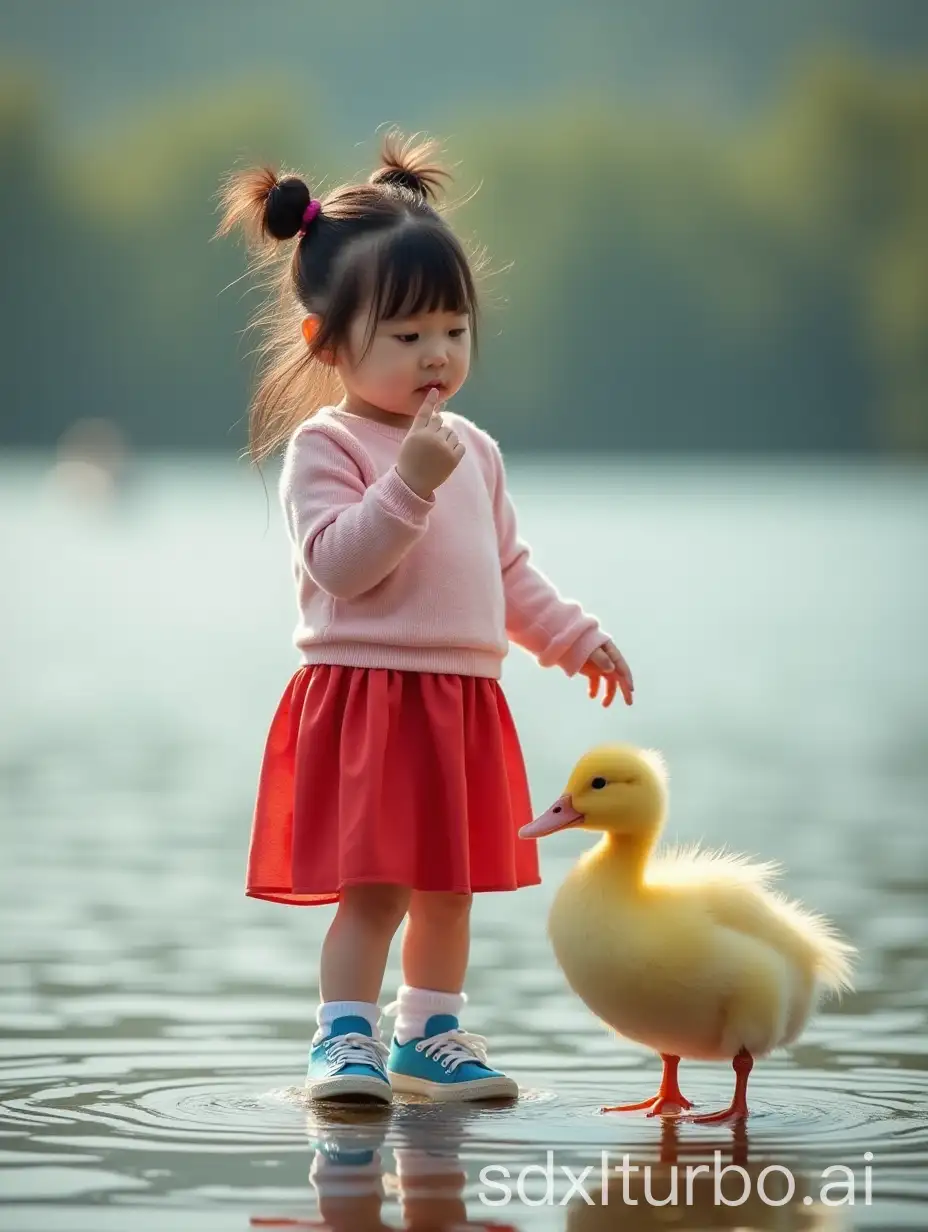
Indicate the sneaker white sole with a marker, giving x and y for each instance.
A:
(350, 1086)
(481, 1088)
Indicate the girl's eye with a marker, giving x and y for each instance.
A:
(457, 333)
(406, 337)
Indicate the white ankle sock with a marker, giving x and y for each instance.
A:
(415, 1006)
(328, 1011)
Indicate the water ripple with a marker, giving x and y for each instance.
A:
(794, 1109)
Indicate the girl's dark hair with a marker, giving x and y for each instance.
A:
(382, 244)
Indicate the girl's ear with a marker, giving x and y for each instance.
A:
(310, 327)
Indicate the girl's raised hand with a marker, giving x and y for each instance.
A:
(430, 450)
(607, 664)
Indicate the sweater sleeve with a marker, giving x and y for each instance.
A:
(350, 534)
(555, 630)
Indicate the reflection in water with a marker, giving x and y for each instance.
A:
(352, 1183)
(434, 1186)
(705, 1186)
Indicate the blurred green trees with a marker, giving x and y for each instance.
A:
(656, 286)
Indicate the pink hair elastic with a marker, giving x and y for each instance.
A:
(309, 214)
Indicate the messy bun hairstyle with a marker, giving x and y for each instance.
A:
(284, 206)
(382, 246)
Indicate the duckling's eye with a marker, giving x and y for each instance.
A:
(598, 784)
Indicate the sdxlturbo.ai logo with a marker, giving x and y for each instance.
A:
(670, 1185)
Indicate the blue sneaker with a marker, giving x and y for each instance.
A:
(335, 1173)
(447, 1063)
(341, 1170)
(349, 1063)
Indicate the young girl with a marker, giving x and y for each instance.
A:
(393, 782)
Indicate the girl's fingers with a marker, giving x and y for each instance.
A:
(607, 665)
(436, 423)
(619, 660)
(626, 673)
(625, 684)
(614, 681)
(620, 666)
(424, 413)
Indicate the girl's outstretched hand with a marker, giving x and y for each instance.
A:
(430, 450)
(606, 664)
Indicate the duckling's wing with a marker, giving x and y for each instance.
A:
(736, 893)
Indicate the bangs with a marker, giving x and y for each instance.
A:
(419, 269)
(402, 272)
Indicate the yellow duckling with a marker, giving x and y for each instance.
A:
(686, 951)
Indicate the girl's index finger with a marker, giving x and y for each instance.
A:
(426, 410)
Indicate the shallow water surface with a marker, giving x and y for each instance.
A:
(154, 1023)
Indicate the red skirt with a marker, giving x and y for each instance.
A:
(373, 775)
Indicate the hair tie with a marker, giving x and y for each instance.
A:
(309, 214)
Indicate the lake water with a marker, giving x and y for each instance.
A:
(154, 1022)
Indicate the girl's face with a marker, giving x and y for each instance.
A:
(407, 357)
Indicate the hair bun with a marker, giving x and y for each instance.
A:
(409, 164)
(284, 206)
(402, 178)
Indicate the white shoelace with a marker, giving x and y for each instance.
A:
(450, 1048)
(356, 1049)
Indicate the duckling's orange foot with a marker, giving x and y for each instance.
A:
(659, 1105)
(645, 1103)
(728, 1116)
(738, 1109)
(667, 1100)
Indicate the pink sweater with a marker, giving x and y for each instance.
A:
(387, 579)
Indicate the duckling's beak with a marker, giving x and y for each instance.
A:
(560, 815)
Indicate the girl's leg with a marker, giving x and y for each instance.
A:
(436, 941)
(354, 953)
(347, 1057)
(436, 945)
(439, 1060)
